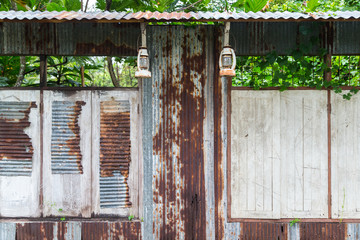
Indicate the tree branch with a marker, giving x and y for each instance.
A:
(111, 72)
(21, 71)
(191, 5)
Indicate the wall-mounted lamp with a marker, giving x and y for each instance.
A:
(143, 57)
(227, 61)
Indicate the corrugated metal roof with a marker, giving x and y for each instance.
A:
(174, 16)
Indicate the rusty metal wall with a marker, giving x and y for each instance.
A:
(121, 39)
(71, 230)
(179, 67)
(94, 39)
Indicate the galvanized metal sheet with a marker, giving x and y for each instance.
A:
(172, 16)
(115, 146)
(7, 231)
(319, 230)
(67, 230)
(66, 156)
(19, 153)
(352, 231)
(67, 177)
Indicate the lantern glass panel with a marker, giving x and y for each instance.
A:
(227, 61)
(144, 62)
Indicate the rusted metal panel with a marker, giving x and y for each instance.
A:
(84, 38)
(67, 160)
(115, 153)
(65, 140)
(16, 150)
(179, 68)
(115, 150)
(322, 230)
(111, 230)
(19, 153)
(253, 231)
(35, 230)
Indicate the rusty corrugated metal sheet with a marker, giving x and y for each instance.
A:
(318, 230)
(254, 231)
(65, 138)
(69, 38)
(173, 16)
(35, 231)
(16, 150)
(179, 75)
(111, 230)
(115, 153)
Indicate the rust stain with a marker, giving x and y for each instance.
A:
(61, 230)
(182, 106)
(259, 231)
(35, 231)
(111, 230)
(218, 145)
(313, 231)
(107, 48)
(74, 142)
(115, 145)
(15, 144)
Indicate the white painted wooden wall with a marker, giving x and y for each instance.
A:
(279, 154)
(19, 195)
(68, 194)
(345, 156)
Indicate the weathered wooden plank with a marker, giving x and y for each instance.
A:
(67, 154)
(345, 153)
(20, 153)
(304, 154)
(255, 148)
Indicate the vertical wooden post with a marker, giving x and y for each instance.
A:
(43, 71)
(82, 76)
(327, 77)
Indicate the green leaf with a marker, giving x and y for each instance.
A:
(254, 5)
(54, 7)
(312, 5)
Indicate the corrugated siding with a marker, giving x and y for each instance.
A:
(345, 153)
(264, 231)
(255, 154)
(318, 230)
(179, 68)
(16, 150)
(304, 154)
(115, 157)
(65, 140)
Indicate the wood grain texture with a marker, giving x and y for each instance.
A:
(345, 150)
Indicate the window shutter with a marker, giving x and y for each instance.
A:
(115, 152)
(67, 153)
(19, 153)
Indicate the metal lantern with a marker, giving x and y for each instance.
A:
(143, 64)
(227, 62)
